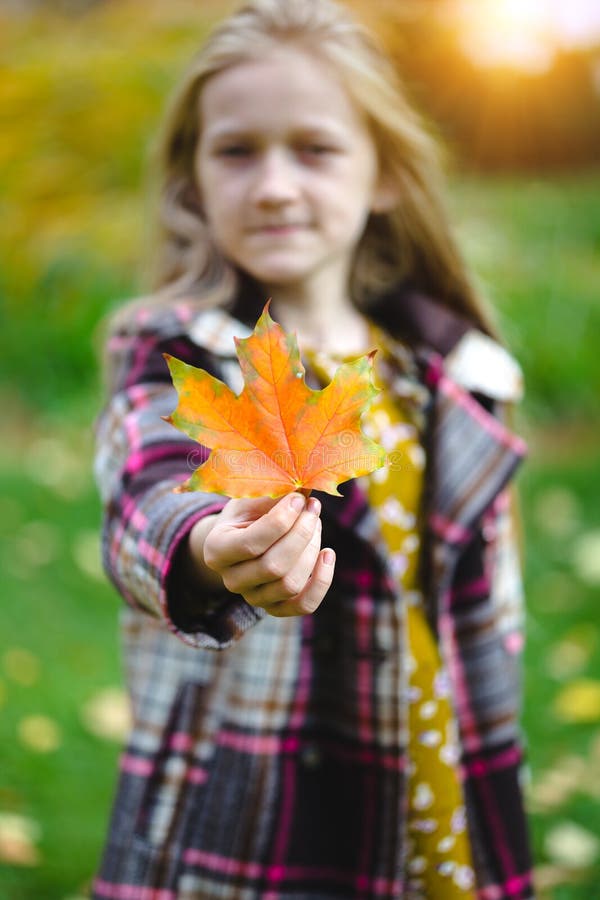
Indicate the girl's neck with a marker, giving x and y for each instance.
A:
(330, 324)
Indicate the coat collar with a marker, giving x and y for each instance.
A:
(470, 358)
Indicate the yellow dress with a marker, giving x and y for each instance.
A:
(439, 865)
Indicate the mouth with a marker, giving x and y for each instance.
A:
(283, 228)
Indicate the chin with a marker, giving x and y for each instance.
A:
(278, 273)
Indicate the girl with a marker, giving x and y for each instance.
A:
(324, 692)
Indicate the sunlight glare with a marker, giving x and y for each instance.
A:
(515, 33)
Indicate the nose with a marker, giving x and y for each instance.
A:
(275, 183)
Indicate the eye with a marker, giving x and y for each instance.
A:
(317, 149)
(316, 153)
(235, 151)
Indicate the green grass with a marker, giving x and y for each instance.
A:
(563, 639)
(66, 618)
(535, 245)
(532, 244)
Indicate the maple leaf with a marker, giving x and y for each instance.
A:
(278, 435)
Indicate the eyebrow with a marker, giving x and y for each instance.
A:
(317, 128)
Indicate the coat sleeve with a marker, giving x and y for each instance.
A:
(139, 461)
(483, 366)
(501, 528)
(500, 531)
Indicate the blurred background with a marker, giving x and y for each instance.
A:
(513, 91)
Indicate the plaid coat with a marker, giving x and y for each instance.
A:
(267, 756)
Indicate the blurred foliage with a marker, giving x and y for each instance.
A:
(79, 100)
(80, 97)
(501, 118)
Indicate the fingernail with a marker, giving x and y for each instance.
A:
(314, 506)
(328, 557)
(297, 502)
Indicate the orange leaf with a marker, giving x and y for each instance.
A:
(278, 435)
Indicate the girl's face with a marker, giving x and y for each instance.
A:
(287, 170)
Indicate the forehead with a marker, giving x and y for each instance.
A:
(288, 88)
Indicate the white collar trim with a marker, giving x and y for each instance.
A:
(479, 363)
(215, 329)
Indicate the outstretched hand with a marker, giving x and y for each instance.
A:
(269, 551)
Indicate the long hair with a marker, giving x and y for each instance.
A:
(412, 243)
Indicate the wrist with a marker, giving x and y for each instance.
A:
(196, 569)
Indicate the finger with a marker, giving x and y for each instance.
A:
(294, 581)
(231, 542)
(309, 600)
(279, 560)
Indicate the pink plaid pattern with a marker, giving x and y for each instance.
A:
(267, 758)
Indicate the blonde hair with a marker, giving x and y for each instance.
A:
(412, 243)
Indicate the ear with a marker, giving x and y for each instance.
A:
(386, 196)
